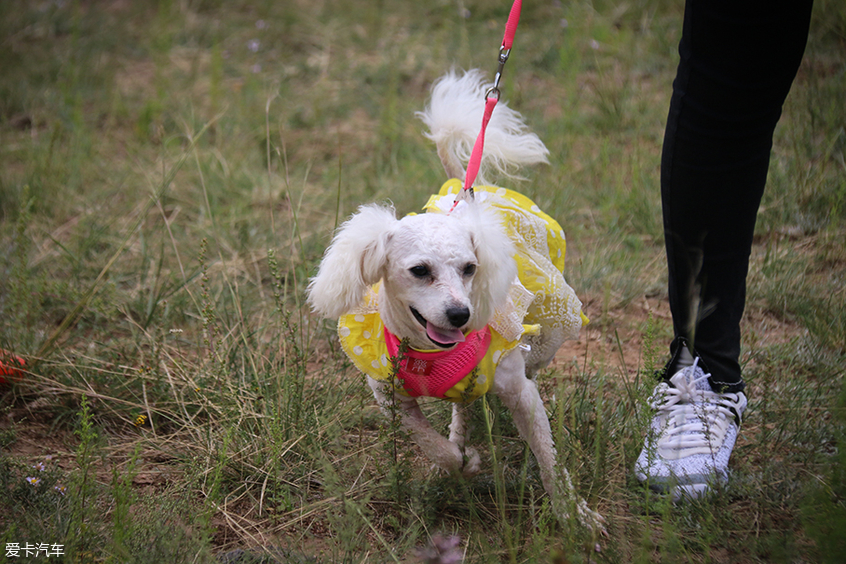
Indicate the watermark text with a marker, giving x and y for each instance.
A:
(33, 550)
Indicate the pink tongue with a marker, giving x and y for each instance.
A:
(444, 336)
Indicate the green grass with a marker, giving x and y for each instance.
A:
(170, 174)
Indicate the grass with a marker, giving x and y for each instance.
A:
(170, 174)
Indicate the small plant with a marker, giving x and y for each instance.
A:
(209, 316)
(83, 536)
(824, 509)
(395, 436)
(124, 498)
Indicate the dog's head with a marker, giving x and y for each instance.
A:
(442, 275)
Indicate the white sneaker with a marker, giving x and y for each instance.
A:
(691, 437)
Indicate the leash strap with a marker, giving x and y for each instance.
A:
(491, 98)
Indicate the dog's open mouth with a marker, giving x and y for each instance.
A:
(442, 337)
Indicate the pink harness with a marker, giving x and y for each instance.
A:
(432, 374)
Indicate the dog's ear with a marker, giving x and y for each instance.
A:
(496, 269)
(353, 262)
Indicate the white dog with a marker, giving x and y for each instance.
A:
(432, 305)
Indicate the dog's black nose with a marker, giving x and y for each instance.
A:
(458, 316)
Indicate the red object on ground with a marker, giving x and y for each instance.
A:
(10, 367)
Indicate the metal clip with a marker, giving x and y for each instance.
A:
(503, 58)
(464, 196)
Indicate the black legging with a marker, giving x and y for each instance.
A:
(738, 60)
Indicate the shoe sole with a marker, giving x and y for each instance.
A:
(676, 491)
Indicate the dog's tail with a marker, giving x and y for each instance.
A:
(454, 118)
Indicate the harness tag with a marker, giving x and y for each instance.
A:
(419, 366)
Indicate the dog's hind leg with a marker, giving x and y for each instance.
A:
(520, 395)
(446, 454)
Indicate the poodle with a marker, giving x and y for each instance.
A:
(465, 299)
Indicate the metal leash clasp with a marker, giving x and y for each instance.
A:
(467, 194)
(503, 58)
(464, 195)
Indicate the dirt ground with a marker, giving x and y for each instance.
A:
(616, 343)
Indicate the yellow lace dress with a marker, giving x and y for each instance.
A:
(542, 309)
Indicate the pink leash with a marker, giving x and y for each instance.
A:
(491, 98)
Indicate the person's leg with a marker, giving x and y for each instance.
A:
(738, 60)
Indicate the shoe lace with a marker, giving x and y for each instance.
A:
(695, 420)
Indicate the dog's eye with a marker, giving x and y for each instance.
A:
(469, 270)
(420, 271)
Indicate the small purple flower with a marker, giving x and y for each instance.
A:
(261, 24)
(253, 45)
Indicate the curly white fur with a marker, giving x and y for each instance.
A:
(353, 262)
(454, 117)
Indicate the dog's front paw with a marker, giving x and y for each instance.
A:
(472, 463)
